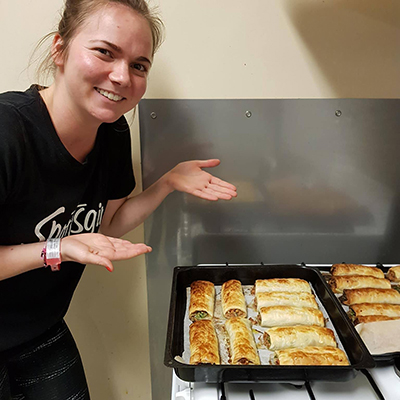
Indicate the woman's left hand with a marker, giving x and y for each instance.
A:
(189, 177)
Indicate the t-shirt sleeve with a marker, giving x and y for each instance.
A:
(121, 178)
(12, 152)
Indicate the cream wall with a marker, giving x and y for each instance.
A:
(278, 49)
(213, 49)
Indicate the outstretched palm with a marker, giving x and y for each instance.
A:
(189, 177)
(95, 248)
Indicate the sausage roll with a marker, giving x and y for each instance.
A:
(339, 283)
(232, 299)
(202, 299)
(356, 269)
(311, 355)
(299, 299)
(290, 316)
(282, 285)
(203, 343)
(394, 274)
(372, 318)
(242, 344)
(390, 310)
(298, 336)
(370, 295)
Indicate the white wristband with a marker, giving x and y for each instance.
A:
(53, 254)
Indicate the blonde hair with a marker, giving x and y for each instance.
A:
(75, 14)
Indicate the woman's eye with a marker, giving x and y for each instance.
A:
(139, 67)
(104, 51)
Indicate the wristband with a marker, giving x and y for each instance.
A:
(51, 254)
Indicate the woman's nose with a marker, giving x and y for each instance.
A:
(120, 74)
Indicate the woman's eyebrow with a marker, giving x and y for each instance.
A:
(118, 49)
(145, 59)
(112, 45)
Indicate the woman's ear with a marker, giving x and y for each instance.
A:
(57, 52)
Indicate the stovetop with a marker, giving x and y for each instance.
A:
(359, 388)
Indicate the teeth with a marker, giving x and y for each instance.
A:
(109, 95)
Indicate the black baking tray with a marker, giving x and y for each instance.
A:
(355, 349)
(384, 358)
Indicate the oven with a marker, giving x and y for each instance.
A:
(378, 383)
(318, 183)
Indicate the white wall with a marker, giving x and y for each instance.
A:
(278, 49)
(213, 49)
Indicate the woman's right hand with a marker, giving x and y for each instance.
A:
(95, 248)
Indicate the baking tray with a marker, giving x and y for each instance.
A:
(385, 358)
(355, 349)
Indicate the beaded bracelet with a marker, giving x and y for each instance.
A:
(51, 254)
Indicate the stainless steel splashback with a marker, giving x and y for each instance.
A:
(318, 182)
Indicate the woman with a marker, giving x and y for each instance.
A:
(65, 174)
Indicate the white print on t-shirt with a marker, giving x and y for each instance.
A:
(81, 220)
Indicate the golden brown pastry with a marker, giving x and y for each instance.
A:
(282, 285)
(339, 283)
(203, 343)
(390, 310)
(299, 299)
(298, 336)
(241, 340)
(311, 355)
(370, 295)
(232, 299)
(202, 299)
(290, 316)
(394, 274)
(356, 269)
(372, 318)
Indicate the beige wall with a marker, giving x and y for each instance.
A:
(213, 49)
(278, 49)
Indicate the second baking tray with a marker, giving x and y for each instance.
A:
(355, 349)
(383, 358)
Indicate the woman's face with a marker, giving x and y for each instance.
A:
(104, 73)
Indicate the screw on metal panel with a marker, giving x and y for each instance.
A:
(248, 114)
(153, 115)
(338, 113)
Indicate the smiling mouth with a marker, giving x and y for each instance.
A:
(109, 95)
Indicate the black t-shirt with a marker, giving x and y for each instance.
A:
(46, 193)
